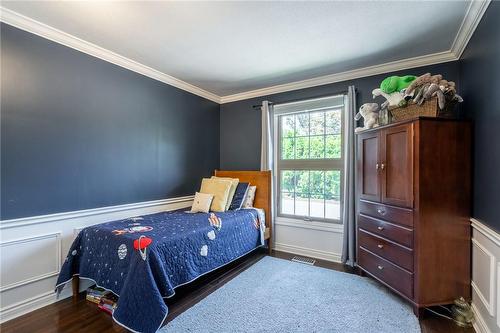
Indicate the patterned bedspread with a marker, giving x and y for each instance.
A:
(143, 259)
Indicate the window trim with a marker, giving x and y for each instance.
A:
(331, 164)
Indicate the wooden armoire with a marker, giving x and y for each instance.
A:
(414, 194)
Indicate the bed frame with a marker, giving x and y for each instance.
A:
(261, 179)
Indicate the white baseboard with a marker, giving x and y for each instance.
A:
(479, 324)
(334, 257)
(20, 308)
(29, 284)
(485, 277)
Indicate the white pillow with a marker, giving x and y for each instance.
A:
(248, 202)
(201, 202)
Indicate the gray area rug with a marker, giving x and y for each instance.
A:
(276, 295)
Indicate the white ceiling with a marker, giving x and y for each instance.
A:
(232, 47)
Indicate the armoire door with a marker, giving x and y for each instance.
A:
(368, 166)
(396, 165)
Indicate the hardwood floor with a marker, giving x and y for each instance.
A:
(80, 316)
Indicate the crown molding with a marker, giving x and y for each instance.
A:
(344, 76)
(472, 17)
(469, 24)
(43, 30)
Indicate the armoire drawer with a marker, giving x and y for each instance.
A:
(397, 254)
(396, 233)
(387, 272)
(388, 213)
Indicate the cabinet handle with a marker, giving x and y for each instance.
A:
(380, 267)
(377, 166)
(380, 211)
(382, 166)
(380, 228)
(380, 246)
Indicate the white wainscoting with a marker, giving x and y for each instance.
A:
(32, 251)
(313, 239)
(485, 277)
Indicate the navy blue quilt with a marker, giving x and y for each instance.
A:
(143, 259)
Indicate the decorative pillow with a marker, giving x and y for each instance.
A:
(219, 188)
(201, 202)
(239, 196)
(248, 203)
(234, 184)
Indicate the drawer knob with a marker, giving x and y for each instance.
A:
(381, 211)
(380, 228)
(380, 246)
(382, 166)
(380, 267)
(377, 166)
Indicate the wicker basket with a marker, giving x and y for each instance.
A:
(429, 108)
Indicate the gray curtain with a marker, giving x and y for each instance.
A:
(266, 150)
(348, 207)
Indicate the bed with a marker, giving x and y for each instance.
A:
(143, 259)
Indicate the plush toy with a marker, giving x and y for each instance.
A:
(421, 81)
(392, 99)
(427, 86)
(396, 83)
(369, 112)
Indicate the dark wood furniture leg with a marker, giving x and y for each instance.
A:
(75, 283)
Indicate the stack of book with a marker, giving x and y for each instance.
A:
(95, 293)
(108, 303)
(105, 300)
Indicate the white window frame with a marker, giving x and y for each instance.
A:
(311, 105)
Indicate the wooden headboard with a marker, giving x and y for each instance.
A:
(261, 179)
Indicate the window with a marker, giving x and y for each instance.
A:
(309, 158)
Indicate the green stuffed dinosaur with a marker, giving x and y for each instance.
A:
(396, 83)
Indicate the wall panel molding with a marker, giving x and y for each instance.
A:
(23, 221)
(35, 278)
(488, 300)
(486, 294)
(23, 295)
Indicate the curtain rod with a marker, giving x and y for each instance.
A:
(342, 92)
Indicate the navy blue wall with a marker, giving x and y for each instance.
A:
(240, 123)
(480, 87)
(78, 132)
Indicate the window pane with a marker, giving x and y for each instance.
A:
(302, 204)
(302, 148)
(317, 206)
(287, 182)
(287, 149)
(317, 183)
(332, 209)
(302, 181)
(287, 203)
(332, 194)
(317, 123)
(317, 148)
(302, 124)
(333, 122)
(333, 146)
(287, 126)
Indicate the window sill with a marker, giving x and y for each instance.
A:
(313, 225)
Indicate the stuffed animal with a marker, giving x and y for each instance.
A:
(396, 83)
(421, 81)
(392, 99)
(369, 112)
(427, 86)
